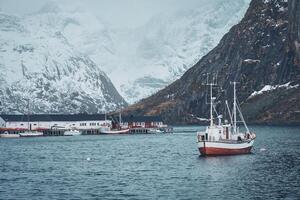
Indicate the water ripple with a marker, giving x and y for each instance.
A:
(149, 167)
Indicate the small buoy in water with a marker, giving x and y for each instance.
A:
(263, 149)
(88, 158)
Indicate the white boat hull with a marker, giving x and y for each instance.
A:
(115, 131)
(31, 134)
(215, 148)
(4, 135)
(72, 133)
(155, 131)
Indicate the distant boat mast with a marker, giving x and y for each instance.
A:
(28, 113)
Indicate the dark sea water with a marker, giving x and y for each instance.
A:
(149, 167)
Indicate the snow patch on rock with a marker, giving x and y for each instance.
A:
(268, 88)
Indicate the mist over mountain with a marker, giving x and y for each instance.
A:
(150, 52)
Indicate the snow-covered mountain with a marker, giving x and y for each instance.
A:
(37, 63)
(142, 60)
(65, 47)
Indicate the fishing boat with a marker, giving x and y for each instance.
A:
(225, 138)
(72, 132)
(119, 130)
(7, 134)
(31, 133)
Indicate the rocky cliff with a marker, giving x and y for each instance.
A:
(261, 53)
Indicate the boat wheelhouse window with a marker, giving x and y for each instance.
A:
(22, 124)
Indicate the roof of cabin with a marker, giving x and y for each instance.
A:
(133, 118)
(53, 117)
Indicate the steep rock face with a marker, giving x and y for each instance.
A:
(38, 64)
(294, 28)
(259, 51)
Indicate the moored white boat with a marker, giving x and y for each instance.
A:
(155, 131)
(6, 134)
(31, 133)
(225, 139)
(72, 133)
(117, 131)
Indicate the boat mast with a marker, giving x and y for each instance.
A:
(28, 103)
(234, 107)
(211, 99)
(120, 118)
(211, 106)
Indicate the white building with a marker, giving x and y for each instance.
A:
(53, 121)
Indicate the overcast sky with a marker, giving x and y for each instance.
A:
(116, 12)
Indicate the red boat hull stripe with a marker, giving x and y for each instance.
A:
(223, 151)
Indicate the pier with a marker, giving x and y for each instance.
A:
(84, 124)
